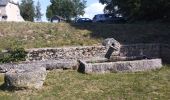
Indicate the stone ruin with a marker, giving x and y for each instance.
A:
(104, 59)
(115, 63)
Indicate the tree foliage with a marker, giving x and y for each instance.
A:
(38, 13)
(139, 9)
(27, 10)
(66, 8)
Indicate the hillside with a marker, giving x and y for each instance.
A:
(37, 35)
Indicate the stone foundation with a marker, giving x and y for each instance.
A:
(119, 66)
(66, 53)
(85, 52)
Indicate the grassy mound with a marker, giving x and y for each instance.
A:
(38, 35)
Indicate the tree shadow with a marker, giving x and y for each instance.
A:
(127, 33)
(4, 87)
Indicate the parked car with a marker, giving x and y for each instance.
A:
(102, 18)
(108, 18)
(84, 20)
(117, 20)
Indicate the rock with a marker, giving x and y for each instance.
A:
(6, 67)
(48, 64)
(25, 77)
(111, 42)
(113, 47)
(119, 66)
(58, 64)
(1, 34)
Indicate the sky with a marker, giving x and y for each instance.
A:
(93, 7)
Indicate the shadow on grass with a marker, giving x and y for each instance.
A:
(128, 33)
(4, 87)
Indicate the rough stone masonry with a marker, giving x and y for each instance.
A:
(85, 52)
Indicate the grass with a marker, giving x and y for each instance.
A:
(38, 35)
(71, 85)
(153, 85)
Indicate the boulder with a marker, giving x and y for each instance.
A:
(25, 77)
(111, 42)
(113, 47)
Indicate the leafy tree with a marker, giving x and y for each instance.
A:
(66, 8)
(27, 10)
(139, 9)
(38, 13)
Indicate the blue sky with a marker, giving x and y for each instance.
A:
(93, 7)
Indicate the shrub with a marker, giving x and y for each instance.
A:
(13, 55)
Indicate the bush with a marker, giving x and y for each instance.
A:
(13, 55)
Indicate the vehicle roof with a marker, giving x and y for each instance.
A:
(84, 18)
(3, 2)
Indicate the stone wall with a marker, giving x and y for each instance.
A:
(165, 53)
(150, 50)
(66, 53)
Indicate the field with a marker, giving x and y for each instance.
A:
(71, 85)
(39, 35)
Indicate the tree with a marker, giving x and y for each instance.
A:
(139, 9)
(66, 8)
(38, 13)
(27, 10)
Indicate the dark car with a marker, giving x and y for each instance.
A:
(118, 20)
(84, 20)
(108, 18)
(102, 18)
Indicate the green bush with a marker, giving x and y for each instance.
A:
(13, 55)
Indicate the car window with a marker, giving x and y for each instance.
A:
(94, 17)
(101, 16)
(106, 15)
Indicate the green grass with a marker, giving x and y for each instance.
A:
(76, 86)
(71, 85)
(38, 35)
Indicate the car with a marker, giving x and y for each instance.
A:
(117, 20)
(102, 18)
(108, 18)
(84, 20)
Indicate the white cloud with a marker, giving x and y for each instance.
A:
(93, 9)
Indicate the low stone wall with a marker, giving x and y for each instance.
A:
(66, 53)
(85, 52)
(149, 50)
(165, 53)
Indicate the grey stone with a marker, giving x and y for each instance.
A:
(58, 64)
(111, 42)
(6, 67)
(48, 64)
(25, 77)
(113, 45)
(85, 52)
(120, 66)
